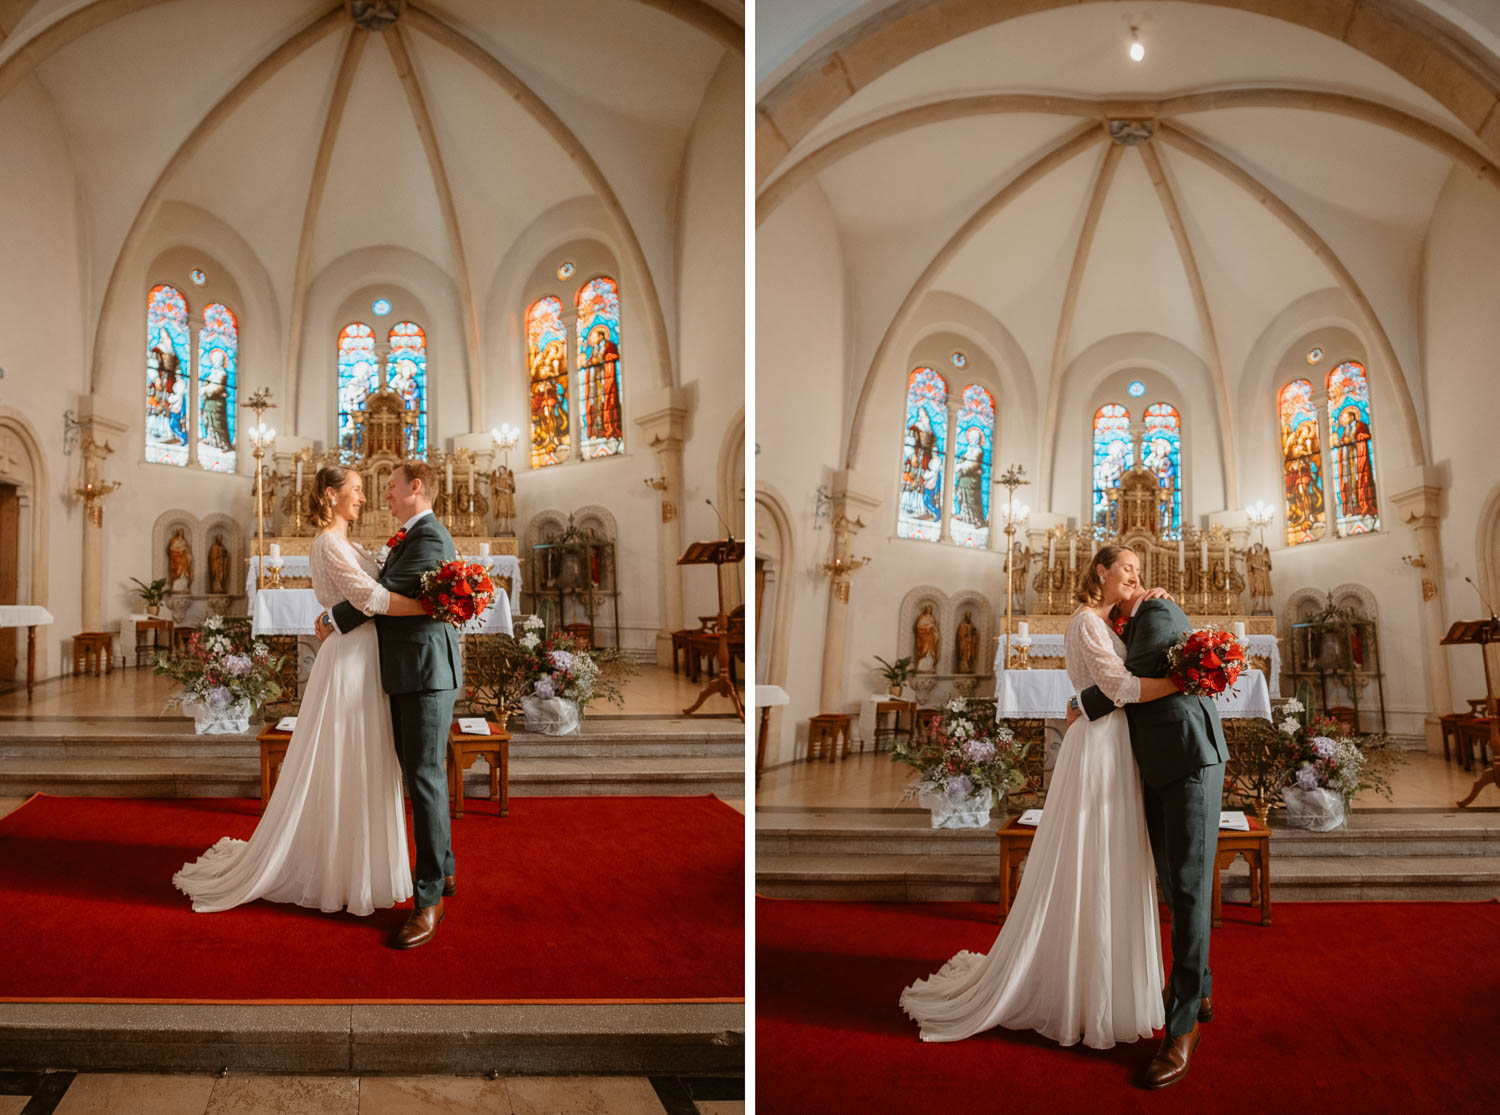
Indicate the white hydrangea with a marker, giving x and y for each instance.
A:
(1291, 726)
(955, 705)
(1292, 705)
(529, 640)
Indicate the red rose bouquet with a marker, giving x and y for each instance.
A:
(1206, 662)
(457, 591)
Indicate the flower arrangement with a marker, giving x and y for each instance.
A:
(222, 666)
(1323, 754)
(457, 591)
(1206, 662)
(966, 751)
(561, 665)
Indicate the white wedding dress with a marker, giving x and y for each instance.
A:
(333, 835)
(1079, 956)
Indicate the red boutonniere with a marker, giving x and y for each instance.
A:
(396, 539)
(1119, 624)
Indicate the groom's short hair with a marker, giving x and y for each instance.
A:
(426, 473)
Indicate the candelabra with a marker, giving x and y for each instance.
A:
(506, 438)
(839, 568)
(262, 438)
(1012, 478)
(1260, 515)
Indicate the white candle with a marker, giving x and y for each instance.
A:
(1051, 547)
(1181, 562)
(275, 551)
(1023, 629)
(1203, 554)
(448, 477)
(1239, 631)
(1226, 553)
(1073, 552)
(299, 474)
(484, 549)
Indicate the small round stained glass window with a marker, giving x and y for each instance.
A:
(197, 275)
(381, 307)
(1314, 355)
(566, 270)
(959, 360)
(1136, 388)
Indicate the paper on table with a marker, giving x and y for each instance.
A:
(1234, 820)
(1031, 817)
(287, 724)
(473, 726)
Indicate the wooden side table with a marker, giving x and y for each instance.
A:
(900, 711)
(93, 652)
(830, 731)
(273, 745)
(464, 749)
(145, 651)
(1255, 846)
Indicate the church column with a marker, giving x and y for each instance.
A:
(663, 421)
(94, 447)
(851, 507)
(1418, 505)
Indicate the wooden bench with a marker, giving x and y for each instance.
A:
(93, 652)
(1255, 846)
(272, 752)
(828, 730)
(463, 750)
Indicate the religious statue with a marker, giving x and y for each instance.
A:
(968, 643)
(1019, 565)
(180, 562)
(503, 494)
(218, 567)
(1258, 566)
(925, 646)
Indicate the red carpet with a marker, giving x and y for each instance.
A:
(1370, 1006)
(593, 899)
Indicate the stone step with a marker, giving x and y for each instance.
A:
(623, 777)
(931, 878)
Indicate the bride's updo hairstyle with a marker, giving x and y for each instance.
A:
(1090, 585)
(324, 493)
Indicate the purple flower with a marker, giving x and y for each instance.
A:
(544, 688)
(1323, 746)
(219, 698)
(958, 787)
(1307, 778)
(561, 659)
(237, 665)
(979, 750)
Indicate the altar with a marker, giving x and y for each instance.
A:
(1045, 693)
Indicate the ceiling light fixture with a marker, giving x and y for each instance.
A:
(1137, 51)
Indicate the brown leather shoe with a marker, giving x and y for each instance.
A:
(420, 927)
(1206, 1009)
(1171, 1061)
(450, 885)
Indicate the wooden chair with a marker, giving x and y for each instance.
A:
(273, 743)
(93, 652)
(1345, 715)
(1474, 740)
(828, 730)
(464, 750)
(145, 649)
(1448, 726)
(901, 712)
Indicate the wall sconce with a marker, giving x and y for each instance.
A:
(1418, 561)
(656, 483)
(71, 429)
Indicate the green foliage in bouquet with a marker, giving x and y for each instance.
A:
(966, 750)
(562, 665)
(222, 664)
(1320, 752)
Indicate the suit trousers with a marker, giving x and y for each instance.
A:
(1182, 818)
(421, 722)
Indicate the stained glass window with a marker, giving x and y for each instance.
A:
(921, 509)
(1114, 453)
(1161, 452)
(600, 380)
(380, 307)
(971, 468)
(359, 378)
(406, 375)
(547, 365)
(1136, 389)
(218, 361)
(168, 376)
(1301, 463)
(1353, 456)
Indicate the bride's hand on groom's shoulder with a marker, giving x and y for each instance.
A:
(1158, 593)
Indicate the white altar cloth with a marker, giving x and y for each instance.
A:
(24, 615)
(300, 565)
(1045, 693)
(291, 611)
(1051, 646)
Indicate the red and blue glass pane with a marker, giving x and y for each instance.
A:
(1301, 456)
(1161, 450)
(1355, 506)
(406, 375)
(1114, 453)
(218, 361)
(600, 378)
(168, 376)
(359, 378)
(547, 365)
(972, 452)
(920, 513)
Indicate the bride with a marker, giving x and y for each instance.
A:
(1079, 957)
(333, 835)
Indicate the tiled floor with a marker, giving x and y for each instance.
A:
(127, 1094)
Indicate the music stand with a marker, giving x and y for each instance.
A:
(725, 551)
(1481, 633)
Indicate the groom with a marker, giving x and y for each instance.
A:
(419, 668)
(1179, 748)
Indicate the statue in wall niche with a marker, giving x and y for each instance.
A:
(503, 494)
(1020, 563)
(1258, 566)
(967, 644)
(180, 562)
(925, 645)
(218, 567)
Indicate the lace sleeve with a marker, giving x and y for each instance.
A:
(350, 579)
(366, 560)
(1104, 662)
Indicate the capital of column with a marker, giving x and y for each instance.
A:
(663, 417)
(1418, 497)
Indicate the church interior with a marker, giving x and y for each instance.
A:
(1212, 280)
(248, 241)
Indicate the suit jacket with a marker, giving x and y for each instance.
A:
(417, 653)
(1173, 735)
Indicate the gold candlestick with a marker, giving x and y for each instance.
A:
(1013, 478)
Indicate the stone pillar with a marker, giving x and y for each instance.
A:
(852, 505)
(1419, 505)
(663, 421)
(97, 416)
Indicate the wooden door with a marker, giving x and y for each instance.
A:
(10, 558)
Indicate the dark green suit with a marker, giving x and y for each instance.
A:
(419, 668)
(1179, 748)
